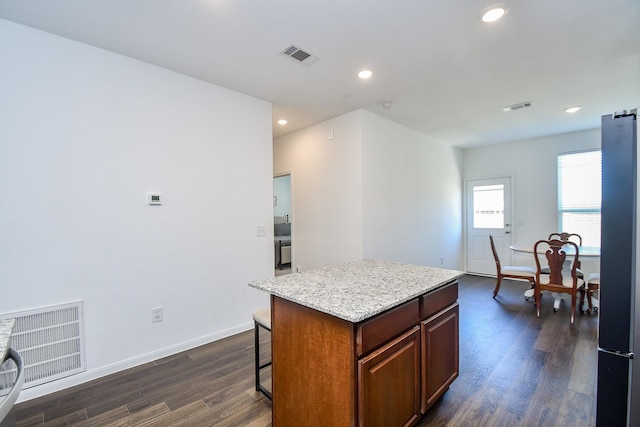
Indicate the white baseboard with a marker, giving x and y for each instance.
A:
(93, 374)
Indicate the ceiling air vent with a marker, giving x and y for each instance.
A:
(298, 55)
(517, 106)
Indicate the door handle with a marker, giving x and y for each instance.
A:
(507, 232)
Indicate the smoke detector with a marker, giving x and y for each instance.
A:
(517, 106)
(298, 55)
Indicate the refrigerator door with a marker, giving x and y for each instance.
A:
(634, 416)
(613, 386)
(617, 270)
(617, 261)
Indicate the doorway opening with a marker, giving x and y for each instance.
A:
(282, 224)
(488, 212)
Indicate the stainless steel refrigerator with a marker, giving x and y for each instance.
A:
(618, 389)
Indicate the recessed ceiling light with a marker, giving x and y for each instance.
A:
(282, 122)
(365, 74)
(572, 109)
(493, 13)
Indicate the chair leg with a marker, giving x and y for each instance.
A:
(573, 307)
(590, 289)
(537, 301)
(258, 366)
(581, 303)
(495, 291)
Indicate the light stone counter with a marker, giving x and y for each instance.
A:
(357, 290)
(5, 332)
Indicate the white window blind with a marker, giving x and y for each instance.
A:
(580, 195)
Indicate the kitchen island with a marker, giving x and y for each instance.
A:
(367, 343)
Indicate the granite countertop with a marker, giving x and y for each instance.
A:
(357, 290)
(5, 332)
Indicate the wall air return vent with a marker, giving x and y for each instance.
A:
(50, 341)
(517, 106)
(298, 55)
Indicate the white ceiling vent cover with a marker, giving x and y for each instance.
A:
(517, 106)
(295, 53)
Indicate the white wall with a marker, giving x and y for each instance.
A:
(533, 165)
(412, 196)
(84, 134)
(326, 187)
(377, 190)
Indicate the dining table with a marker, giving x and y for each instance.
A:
(583, 251)
(589, 252)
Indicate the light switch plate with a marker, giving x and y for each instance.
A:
(261, 230)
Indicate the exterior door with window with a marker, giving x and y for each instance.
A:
(488, 213)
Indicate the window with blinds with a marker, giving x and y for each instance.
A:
(580, 195)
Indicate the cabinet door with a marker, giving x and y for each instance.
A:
(389, 383)
(439, 355)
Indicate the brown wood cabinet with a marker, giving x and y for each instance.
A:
(440, 361)
(385, 371)
(389, 383)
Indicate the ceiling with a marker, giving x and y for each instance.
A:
(447, 74)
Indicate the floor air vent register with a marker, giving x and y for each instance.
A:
(50, 341)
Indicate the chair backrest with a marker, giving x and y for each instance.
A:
(495, 253)
(555, 252)
(566, 237)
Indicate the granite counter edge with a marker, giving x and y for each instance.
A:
(6, 326)
(348, 316)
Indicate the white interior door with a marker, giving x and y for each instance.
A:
(488, 203)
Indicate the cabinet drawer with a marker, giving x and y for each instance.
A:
(441, 298)
(385, 326)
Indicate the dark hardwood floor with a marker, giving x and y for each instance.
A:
(515, 370)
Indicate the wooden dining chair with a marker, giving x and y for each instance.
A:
(567, 237)
(558, 280)
(510, 271)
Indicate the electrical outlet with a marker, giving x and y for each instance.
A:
(156, 314)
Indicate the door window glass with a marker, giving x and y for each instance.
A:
(488, 204)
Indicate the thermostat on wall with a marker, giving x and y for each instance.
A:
(154, 198)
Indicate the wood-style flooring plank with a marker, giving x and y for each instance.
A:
(187, 414)
(584, 360)
(106, 418)
(34, 420)
(147, 415)
(73, 418)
